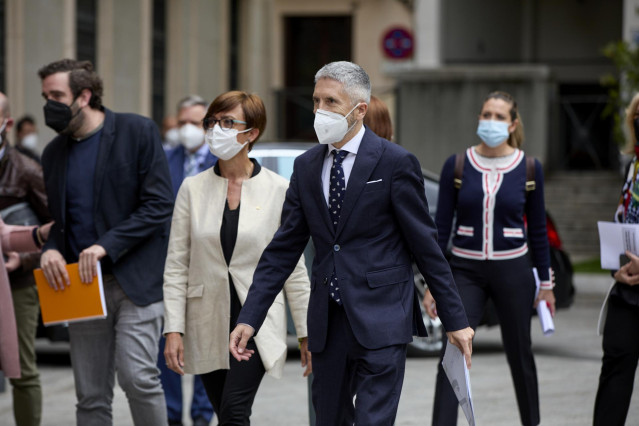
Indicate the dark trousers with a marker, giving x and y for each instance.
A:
(621, 353)
(511, 286)
(345, 369)
(232, 391)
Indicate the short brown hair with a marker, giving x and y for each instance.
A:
(252, 106)
(81, 76)
(516, 138)
(378, 118)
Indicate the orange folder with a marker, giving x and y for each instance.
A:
(77, 302)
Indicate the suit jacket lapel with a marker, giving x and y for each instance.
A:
(106, 143)
(315, 185)
(368, 155)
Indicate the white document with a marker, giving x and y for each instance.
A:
(457, 372)
(614, 240)
(543, 312)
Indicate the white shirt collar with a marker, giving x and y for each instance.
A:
(351, 146)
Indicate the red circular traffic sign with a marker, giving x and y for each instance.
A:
(398, 43)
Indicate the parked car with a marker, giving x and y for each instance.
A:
(279, 157)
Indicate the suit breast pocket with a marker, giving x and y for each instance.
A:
(374, 185)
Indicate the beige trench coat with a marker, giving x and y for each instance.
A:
(196, 285)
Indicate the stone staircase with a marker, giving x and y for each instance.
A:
(576, 201)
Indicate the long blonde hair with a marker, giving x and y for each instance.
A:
(516, 138)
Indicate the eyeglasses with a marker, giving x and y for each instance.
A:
(225, 123)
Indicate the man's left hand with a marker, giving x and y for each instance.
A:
(88, 262)
(305, 357)
(463, 339)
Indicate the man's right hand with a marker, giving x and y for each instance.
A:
(53, 266)
(463, 339)
(238, 340)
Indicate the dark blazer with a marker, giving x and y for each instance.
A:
(133, 202)
(384, 225)
(176, 157)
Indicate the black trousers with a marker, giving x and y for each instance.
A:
(619, 364)
(232, 391)
(511, 286)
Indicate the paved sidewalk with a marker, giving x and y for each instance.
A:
(568, 366)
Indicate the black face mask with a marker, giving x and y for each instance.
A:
(58, 115)
(636, 126)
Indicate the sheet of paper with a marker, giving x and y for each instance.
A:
(543, 312)
(455, 367)
(614, 240)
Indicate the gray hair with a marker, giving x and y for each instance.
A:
(356, 82)
(190, 101)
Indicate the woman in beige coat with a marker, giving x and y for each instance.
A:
(223, 219)
(13, 239)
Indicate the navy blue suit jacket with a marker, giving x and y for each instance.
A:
(133, 202)
(176, 157)
(384, 225)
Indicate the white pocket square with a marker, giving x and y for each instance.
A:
(373, 181)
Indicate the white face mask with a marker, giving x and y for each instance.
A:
(172, 138)
(223, 143)
(4, 126)
(191, 136)
(331, 127)
(30, 141)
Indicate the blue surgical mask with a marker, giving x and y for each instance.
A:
(493, 132)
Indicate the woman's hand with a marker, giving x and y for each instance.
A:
(305, 356)
(549, 297)
(44, 231)
(13, 261)
(429, 304)
(174, 352)
(629, 273)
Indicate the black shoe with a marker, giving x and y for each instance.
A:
(175, 422)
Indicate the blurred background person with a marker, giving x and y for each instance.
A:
(490, 246)
(27, 137)
(14, 239)
(189, 158)
(170, 136)
(620, 343)
(223, 219)
(192, 155)
(23, 201)
(378, 119)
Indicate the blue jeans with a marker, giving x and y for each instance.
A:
(125, 342)
(172, 385)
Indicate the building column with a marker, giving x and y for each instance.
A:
(124, 54)
(427, 30)
(197, 49)
(46, 32)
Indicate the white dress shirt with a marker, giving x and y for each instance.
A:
(347, 165)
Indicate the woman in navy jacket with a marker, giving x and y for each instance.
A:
(499, 218)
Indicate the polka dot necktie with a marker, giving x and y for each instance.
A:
(336, 192)
(192, 165)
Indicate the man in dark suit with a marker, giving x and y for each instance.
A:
(189, 158)
(192, 156)
(110, 195)
(361, 199)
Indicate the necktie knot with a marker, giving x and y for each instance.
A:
(338, 156)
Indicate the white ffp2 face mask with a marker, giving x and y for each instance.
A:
(331, 127)
(191, 136)
(223, 143)
(172, 137)
(30, 141)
